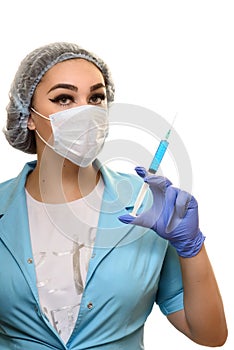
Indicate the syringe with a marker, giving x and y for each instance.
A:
(153, 168)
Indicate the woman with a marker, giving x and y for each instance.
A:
(75, 275)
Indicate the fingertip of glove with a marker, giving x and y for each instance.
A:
(126, 219)
(141, 171)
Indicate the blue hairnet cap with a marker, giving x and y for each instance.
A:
(27, 77)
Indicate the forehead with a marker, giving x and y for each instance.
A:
(75, 71)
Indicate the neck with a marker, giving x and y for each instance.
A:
(58, 180)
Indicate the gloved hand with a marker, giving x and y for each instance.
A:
(173, 215)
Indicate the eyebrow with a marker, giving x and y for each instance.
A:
(96, 86)
(63, 86)
(73, 87)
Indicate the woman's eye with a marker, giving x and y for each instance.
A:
(97, 98)
(63, 100)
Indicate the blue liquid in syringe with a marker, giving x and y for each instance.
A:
(158, 156)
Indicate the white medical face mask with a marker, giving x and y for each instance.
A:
(78, 133)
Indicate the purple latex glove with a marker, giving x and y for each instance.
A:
(173, 215)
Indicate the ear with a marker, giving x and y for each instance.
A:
(30, 123)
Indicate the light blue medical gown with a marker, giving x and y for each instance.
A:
(131, 268)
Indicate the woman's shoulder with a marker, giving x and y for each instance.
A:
(10, 187)
(115, 176)
(29, 166)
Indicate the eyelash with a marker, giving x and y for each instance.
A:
(64, 97)
(100, 96)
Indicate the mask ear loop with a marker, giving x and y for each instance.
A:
(43, 140)
(41, 115)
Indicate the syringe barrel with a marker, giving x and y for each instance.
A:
(158, 156)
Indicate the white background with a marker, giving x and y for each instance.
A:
(168, 56)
